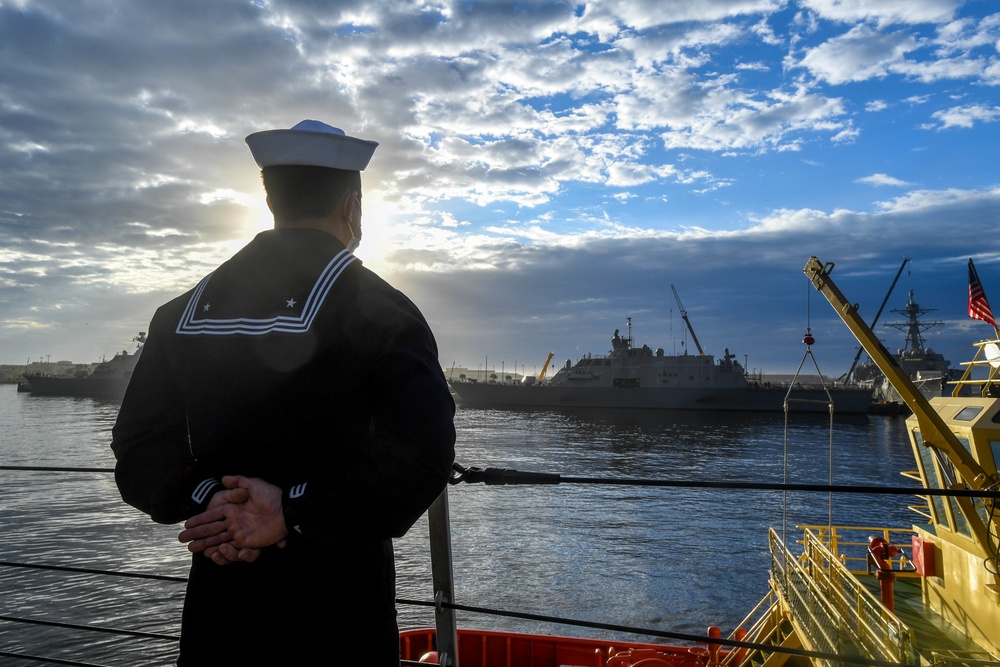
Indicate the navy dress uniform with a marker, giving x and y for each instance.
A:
(294, 364)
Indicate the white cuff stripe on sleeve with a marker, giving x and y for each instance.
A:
(203, 489)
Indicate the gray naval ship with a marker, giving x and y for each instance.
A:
(108, 380)
(631, 377)
(929, 371)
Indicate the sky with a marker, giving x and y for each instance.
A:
(546, 170)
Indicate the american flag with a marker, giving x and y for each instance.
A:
(979, 307)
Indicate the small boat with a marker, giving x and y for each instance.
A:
(926, 594)
(108, 380)
(641, 378)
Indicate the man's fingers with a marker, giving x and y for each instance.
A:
(197, 531)
(213, 541)
(249, 555)
(219, 559)
(230, 552)
(207, 517)
(232, 481)
(223, 554)
(227, 553)
(220, 498)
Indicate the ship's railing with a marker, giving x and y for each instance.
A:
(763, 625)
(831, 609)
(985, 358)
(850, 543)
(924, 509)
(962, 659)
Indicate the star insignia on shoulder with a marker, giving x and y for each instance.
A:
(290, 303)
(206, 307)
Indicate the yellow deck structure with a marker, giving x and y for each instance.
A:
(945, 600)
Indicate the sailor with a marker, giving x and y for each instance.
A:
(292, 410)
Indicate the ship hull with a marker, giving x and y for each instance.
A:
(108, 380)
(41, 385)
(751, 399)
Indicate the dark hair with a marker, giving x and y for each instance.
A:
(298, 192)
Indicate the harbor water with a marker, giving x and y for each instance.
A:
(662, 558)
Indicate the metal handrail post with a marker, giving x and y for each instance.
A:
(442, 574)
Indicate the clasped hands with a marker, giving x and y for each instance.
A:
(240, 520)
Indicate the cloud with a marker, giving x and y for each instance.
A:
(882, 180)
(965, 116)
(885, 11)
(860, 54)
(539, 166)
(725, 277)
(644, 14)
(960, 49)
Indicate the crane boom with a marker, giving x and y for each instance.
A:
(934, 430)
(541, 376)
(684, 316)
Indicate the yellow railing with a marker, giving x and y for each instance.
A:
(922, 510)
(992, 370)
(851, 545)
(829, 606)
(962, 659)
(761, 626)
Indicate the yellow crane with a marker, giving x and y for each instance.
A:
(541, 375)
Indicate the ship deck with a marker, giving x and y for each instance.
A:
(834, 602)
(933, 637)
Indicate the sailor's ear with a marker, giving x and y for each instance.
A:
(348, 202)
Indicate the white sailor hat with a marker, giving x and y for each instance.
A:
(311, 143)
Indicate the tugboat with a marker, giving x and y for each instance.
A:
(108, 380)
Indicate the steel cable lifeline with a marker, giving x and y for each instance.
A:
(91, 628)
(701, 639)
(506, 476)
(91, 570)
(137, 634)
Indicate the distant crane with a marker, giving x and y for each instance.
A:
(849, 375)
(541, 376)
(684, 316)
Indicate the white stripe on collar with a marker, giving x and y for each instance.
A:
(190, 325)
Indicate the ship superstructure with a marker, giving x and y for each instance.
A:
(928, 595)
